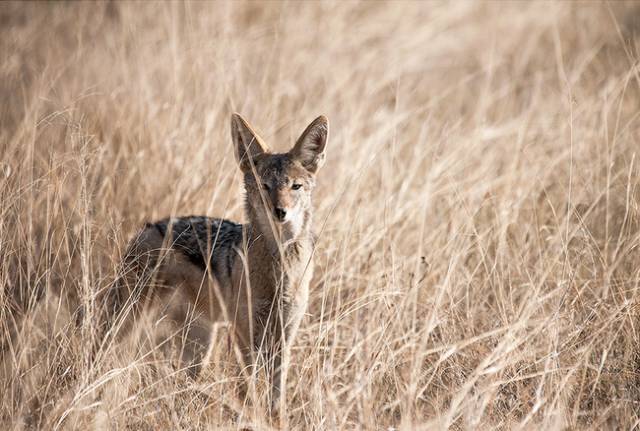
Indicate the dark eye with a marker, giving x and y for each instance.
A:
(265, 186)
(296, 186)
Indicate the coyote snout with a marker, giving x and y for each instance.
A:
(287, 203)
(255, 276)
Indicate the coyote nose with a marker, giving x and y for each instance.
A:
(281, 213)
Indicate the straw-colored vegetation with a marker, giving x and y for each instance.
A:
(478, 261)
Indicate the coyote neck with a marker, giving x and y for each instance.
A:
(261, 238)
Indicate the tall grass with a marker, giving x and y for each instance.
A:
(478, 261)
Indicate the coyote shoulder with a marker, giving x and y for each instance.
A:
(255, 275)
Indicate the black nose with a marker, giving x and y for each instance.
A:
(281, 213)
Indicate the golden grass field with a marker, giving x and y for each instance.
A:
(478, 262)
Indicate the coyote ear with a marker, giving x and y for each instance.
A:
(309, 149)
(247, 144)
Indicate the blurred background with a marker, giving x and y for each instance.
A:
(477, 263)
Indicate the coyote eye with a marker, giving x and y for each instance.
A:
(265, 186)
(296, 186)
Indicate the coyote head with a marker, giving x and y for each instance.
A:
(278, 186)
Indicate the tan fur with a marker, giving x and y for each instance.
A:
(257, 277)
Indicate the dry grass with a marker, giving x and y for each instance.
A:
(478, 258)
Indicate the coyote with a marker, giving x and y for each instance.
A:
(255, 276)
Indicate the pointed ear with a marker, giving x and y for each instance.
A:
(309, 149)
(247, 144)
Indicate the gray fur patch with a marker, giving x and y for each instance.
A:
(203, 240)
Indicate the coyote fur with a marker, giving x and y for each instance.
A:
(254, 276)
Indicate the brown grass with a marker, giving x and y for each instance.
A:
(479, 230)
